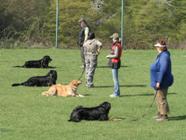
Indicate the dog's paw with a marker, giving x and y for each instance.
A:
(81, 96)
(44, 94)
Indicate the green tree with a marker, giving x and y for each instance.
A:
(33, 21)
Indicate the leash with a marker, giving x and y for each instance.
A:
(150, 105)
(148, 109)
(81, 74)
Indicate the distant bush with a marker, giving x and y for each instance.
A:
(34, 22)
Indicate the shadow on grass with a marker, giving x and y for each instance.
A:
(133, 95)
(177, 118)
(142, 94)
(49, 67)
(108, 66)
(4, 130)
(172, 93)
(86, 95)
(111, 86)
(139, 85)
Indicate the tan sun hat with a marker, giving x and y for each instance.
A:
(81, 20)
(115, 36)
(159, 45)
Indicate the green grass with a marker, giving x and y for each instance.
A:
(26, 115)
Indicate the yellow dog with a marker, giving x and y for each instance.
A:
(64, 90)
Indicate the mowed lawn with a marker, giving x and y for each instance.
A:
(26, 115)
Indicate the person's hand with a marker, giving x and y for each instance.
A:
(157, 85)
(98, 52)
(108, 56)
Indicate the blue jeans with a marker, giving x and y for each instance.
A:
(116, 82)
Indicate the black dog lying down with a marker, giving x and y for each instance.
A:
(93, 113)
(42, 63)
(47, 80)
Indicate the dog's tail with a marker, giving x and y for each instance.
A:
(19, 66)
(17, 84)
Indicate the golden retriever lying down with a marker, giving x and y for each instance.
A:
(64, 90)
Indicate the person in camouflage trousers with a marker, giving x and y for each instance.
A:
(91, 51)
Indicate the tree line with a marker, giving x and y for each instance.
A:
(32, 22)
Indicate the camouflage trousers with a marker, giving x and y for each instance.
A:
(90, 67)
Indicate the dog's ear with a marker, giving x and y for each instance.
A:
(47, 58)
(72, 82)
(79, 82)
(75, 82)
(50, 73)
(106, 106)
(53, 74)
(42, 62)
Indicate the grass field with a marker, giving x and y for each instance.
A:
(26, 115)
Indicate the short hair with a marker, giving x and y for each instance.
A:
(91, 35)
(162, 42)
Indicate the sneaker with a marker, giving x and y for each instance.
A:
(157, 116)
(162, 118)
(114, 96)
(90, 86)
(82, 66)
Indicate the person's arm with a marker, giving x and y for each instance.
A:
(163, 68)
(99, 44)
(115, 55)
(86, 33)
(85, 44)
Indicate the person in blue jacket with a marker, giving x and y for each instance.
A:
(161, 79)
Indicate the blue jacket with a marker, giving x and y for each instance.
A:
(160, 71)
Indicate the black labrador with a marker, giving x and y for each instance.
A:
(42, 63)
(93, 113)
(39, 81)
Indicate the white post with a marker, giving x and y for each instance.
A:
(57, 22)
(122, 23)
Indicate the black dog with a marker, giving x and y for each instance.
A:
(47, 80)
(93, 113)
(42, 63)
